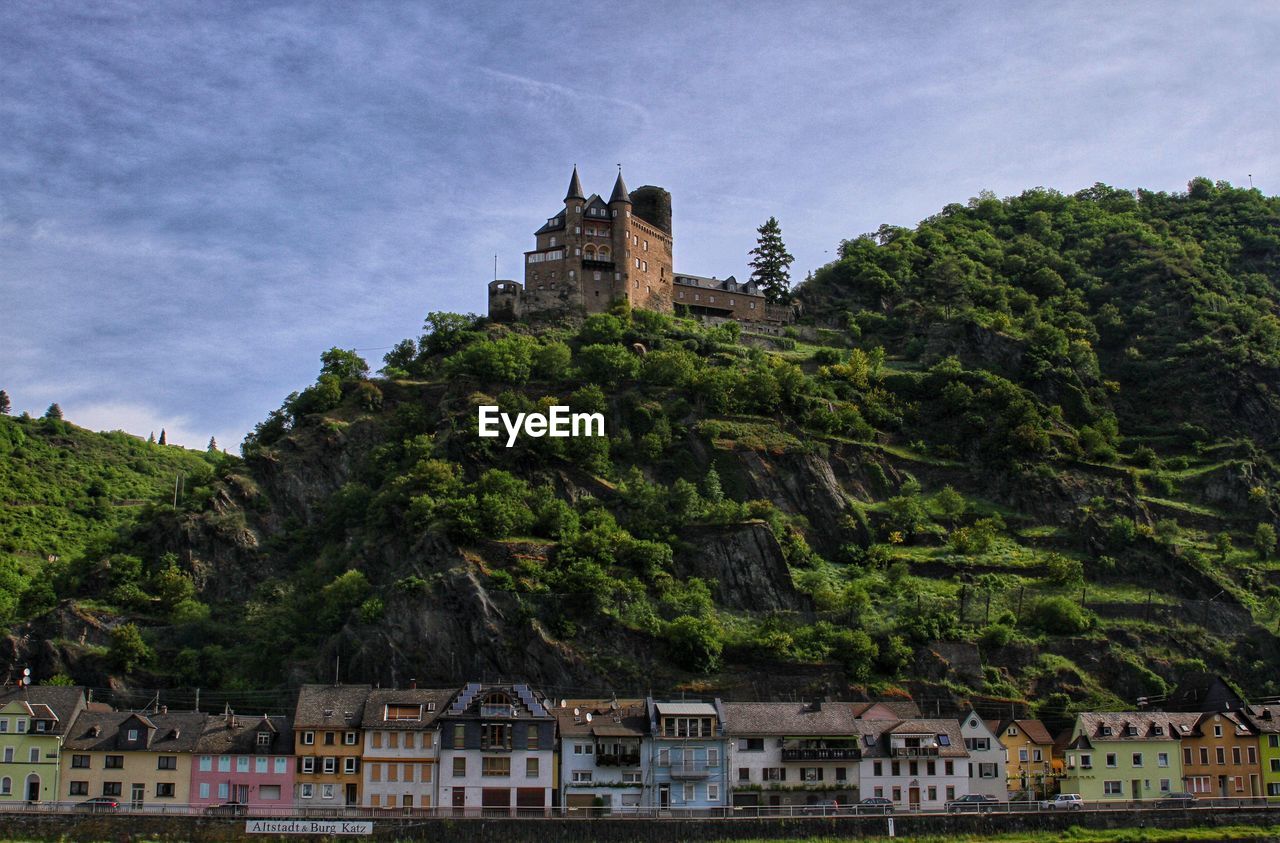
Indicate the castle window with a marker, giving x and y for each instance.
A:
(605, 253)
(577, 251)
(711, 299)
(577, 209)
(682, 294)
(589, 253)
(751, 305)
(577, 229)
(697, 297)
(646, 245)
(644, 265)
(731, 302)
(597, 276)
(553, 241)
(635, 241)
(571, 273)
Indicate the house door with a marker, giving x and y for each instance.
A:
(352, 799)
(1222, 786)
(242, 793)
(137, 793)
(913, 798)
(459, 800)
(664, 796)
(33, 788)
(1135, 786)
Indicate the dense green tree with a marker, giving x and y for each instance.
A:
(696, 643)
(4, 403)
(128, 651)
(771, 262)
(54, 412)
(1264, 540)
(344, 364)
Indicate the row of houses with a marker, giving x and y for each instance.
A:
(506, 748)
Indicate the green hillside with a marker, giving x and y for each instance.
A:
(1024, 452)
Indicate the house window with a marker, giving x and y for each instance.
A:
(330, 764)
(349, 764)
(114, 762)
(242, 763)
(1162, 759)
(1204, 755)
(1086, 762)
(1111, 788)
(690, 792)
(1217, 730)
(1022, 755)
(877, 768)
(459, 735)
(281, 766)
(329, 739)
(224, 763)
(264, 739)
(744, 774)
(307, 791)
(260, 765)
(326, 791)
(167, 762)
(582, 777)
(631, 777)
(1037, 755)
(1137, 759)
(22, 726)
(308, 738)
(79, 789)
(6, 786)
(713, 792)
(1164, 785)
(1235, 755)
(459, 767)
(308, 764)
(987, 771)
(133, 735)
(350, 738)
(80, 762)
(774, 774)
(1112, 759)
(495, 765)
(531, 768)
(1186, 756)
(269, 792)
(1221, 755)
(111, 789)
(224, 790)
(713, 756)
(164, 790)
(531, 737)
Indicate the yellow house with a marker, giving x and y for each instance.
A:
(1031, 760)
(139, 757)
(327, 742)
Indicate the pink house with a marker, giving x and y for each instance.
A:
(244, 761)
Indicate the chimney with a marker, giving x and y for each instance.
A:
(413, 684)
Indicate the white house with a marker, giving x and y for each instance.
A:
(602, 769)
(988, 758)
(919, 764)
(784, 754)
(401, 748)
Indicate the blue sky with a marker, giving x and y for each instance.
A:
(197, 199)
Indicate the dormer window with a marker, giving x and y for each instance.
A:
(1131, 731)
(264, 739)
(1106, 730)
(133, 735)
(1159, 730)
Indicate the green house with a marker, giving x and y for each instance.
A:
(1126, 756)
(33, 723)
(1266, 720)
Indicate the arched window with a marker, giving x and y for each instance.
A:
(605, 253)
(6, 786)
(589, 253)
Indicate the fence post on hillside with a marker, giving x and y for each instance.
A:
(986, 618)
(1022, 589)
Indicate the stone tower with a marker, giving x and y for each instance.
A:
(593, 253)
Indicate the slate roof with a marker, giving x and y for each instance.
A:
(874, 736)
(627, 720)
(789, 718)
(99, 731)
(575, 187)
(1265, 718)
(730, 284)
(62, 702)
(1175, 725)
(330, 706)
(238, 735)
(432, 700)
(902, 709)
(555, 223)
(1202, 691)
(620, 192)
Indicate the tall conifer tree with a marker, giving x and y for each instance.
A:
(771, 262)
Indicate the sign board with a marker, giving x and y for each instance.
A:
(330, 827)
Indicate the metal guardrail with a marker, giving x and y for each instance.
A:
(627, 812)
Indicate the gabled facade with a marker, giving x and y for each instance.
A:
(1030, 750)
(33, 725)
(790, 754)
(687, 764)
(327, 743)
(1265, 720)
(918, 764)
(602, 767)
(497, 752)
(1201, 691)
(244, 760)
(1126, 756)
(1220, 756)
(402, 748)
(988, 759)
(139, 758)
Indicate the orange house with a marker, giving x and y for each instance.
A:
(1220, 757)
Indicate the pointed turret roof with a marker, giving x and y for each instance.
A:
(620, 193)
(575, 186)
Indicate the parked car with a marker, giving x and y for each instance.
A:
(875, 805)
(826, 807)
(99, 805)
(978, 802)
(228, 809)
(1063, 802)
(1177, 800)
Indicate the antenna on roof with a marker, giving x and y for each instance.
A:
(495, 266)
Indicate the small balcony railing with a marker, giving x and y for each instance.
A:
(606, 266)
(814, 754)
(915, 751)
(689, 770)
(620, 759)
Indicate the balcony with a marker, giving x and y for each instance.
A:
(604, 266)
(845, 754)
(690, 770)
(622, 759)
(915, 751)
(497, 710)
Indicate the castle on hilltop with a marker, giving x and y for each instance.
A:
(593, 254)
